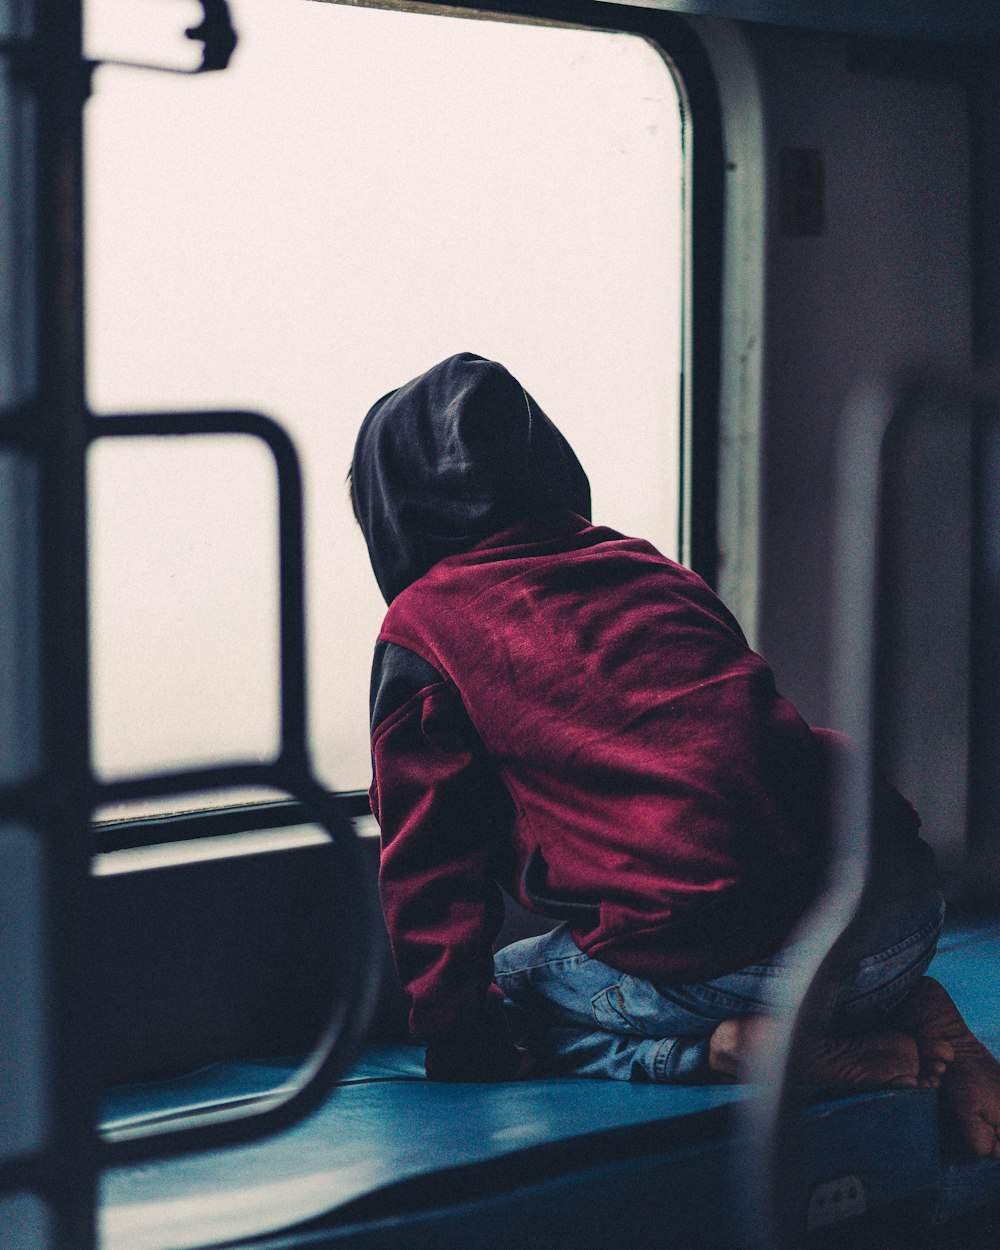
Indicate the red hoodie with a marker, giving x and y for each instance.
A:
(563, 710)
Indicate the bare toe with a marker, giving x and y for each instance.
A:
(935, 1056)
(979, 1135)
(971, 1096)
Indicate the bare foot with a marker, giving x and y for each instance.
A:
(970, 1087)
(876, 1059)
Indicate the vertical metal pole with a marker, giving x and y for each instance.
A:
(46, 1123)
(771, 1220)
(24, 1127)
(62, 85)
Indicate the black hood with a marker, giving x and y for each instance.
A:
(457, 454)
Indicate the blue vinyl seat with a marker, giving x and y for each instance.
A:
(393, 1162)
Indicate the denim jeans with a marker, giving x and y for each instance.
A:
(579, 1016)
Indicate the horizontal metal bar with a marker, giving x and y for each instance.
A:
(215, 32)
(125, 833)
(195, 781)
(235, 1125)
(227, 1126)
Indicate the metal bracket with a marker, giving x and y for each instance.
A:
(215, 31)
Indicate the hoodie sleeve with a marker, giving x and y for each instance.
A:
(437, 797)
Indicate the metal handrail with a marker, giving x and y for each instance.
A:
(873, 424)
(290, 772)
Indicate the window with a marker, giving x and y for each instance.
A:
(362, 193)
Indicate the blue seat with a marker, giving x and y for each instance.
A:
(393, 1162)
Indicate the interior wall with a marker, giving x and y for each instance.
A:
(741, 357)
(885, 285)
(983, 873)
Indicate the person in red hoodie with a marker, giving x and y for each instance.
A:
(561, 711)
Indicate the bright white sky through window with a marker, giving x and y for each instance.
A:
(361, 194)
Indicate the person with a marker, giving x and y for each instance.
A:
(561, 711)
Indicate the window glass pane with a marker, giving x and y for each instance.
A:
(184, 602)
(361, 194)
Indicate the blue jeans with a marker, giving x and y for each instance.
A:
(579, 1016)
